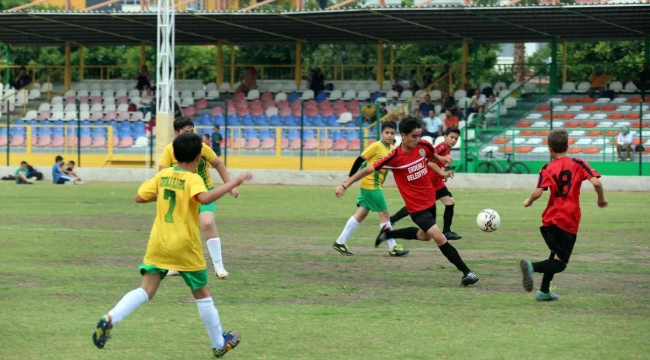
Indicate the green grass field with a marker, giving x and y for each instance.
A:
(68, 254)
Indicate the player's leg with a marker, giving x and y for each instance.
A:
(446, 198)
(151, 278)
(426, 220)
(221, 342)
(211, 234)
(351, 225)
(394, 249)
(402, 213)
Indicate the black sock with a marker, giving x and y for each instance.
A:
(452, 255)
(406, 233)
(546, 283)
(447, 217)
(402, 213)
(551, 266)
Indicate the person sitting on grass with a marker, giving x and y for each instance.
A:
(69, 170)
(59, 175)
(22, 174)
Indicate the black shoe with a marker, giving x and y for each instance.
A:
(452, 236)
(382, 236)
(469, 279)
(343, 249)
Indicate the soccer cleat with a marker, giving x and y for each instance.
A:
(342, 248)
(102, 333)
(221, 273)
(527, 273)
(452, 236)
(469, 279)
(232, 339)
(173, 273)
(540, 296)
(382, 235)
(398, 250)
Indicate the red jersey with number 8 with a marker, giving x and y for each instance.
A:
(437, 180)
(411, 172)
(563, 177)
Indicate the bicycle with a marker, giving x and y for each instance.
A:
(492, 166)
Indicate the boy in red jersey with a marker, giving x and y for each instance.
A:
(563, 177)
(439, 177)
(410, 164)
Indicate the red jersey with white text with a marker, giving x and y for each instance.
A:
(563, 177)
(411, 173)
(437, 180)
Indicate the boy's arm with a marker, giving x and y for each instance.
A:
(354, 178)
(598, 186)
(356, 165)
(537, 193)
(214, 160)
(166, 159)
(441, 172)
(213, 195)
(147, 192)
(543, 182)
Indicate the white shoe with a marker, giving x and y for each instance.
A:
(173, 273)
(221, 273)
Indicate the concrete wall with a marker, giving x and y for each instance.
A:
(333, 178)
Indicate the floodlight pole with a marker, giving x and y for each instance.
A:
(165, 75)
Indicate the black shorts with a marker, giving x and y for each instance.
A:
(425, 219)
(442, 193)
(559, 241)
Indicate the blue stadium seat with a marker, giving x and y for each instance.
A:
(84, 123)
(290, 120)
(57, 131)
(124, 125)
(337, 134)
(306, 121)
(247, 120)
(85, 131)
(351, 124)
(99, 132)
(19, 122)
(321, 96)
(3, 131)
(59, 123)
(376, 96)
(331, 121)
(293, 96)
(264, 134)
(352, 134)
(17, 131)
(233, 120)
(275, 120)
(32, 122)
(220, 120)
(250, 133)
(44, 131)
(140, 129)
(261, 120)
(318, 121)
(123, 132)
(324, 134)
(293, 134)
(308, 134)
(205, 120)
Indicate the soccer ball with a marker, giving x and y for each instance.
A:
(488, 220)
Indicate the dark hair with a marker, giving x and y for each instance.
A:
(23, 163)
(23, 68)
(187, 147)
(452, 129)
(181, 122)
(388, 125)
(58, 158)
(217, 127)
(558, 140)
(71, 162)
(206, 136)
(408, 124)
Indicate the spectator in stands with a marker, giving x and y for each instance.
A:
(22, 174)
(448, 102)
(382, 110)
(413, 81)
(451, 120)
(144, 78)
(22, 80)
(443, 78)
(316, 81)
(59, 175)
(397, 86)
(417, 114)
(427, 79)
(426, 105)
(643, 82)
(597, 82)
(476, 116)
(69, 170)
(624, 141)
(369, 111)
(146, 100)
(248, 80)
(216, 140)
(491, 112)
(433, 125)
(477, 100)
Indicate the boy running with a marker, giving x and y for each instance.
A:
(175, 242)
(563, 177)
(371, 196)
(439, 177)
(410, 164)
(206, 211)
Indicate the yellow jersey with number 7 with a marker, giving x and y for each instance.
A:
(208, 155)
(175, 240)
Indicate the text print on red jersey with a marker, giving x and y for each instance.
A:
(417, 171)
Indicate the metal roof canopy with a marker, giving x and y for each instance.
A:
(431, 24)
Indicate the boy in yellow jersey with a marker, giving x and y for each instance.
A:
(206, 212)
(371, 196)
(175, 242)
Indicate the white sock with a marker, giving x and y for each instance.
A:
(131, 301)
(210, 317)
(214, 247)
(348, 230)
(391, 242)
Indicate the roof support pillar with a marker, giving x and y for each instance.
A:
(142, 54)
(553, 75)
(392, 62)
(219, 62)
(67, 73)
(81, 63)
(298, 72)
(380, 63)
(565, 43)
(463, 67)
(232, 64)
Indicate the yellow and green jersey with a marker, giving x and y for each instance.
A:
(203, 170)
(175, 239)
(375, 151)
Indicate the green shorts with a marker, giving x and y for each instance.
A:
(211, 207)
(372, 200)
(194, 279)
